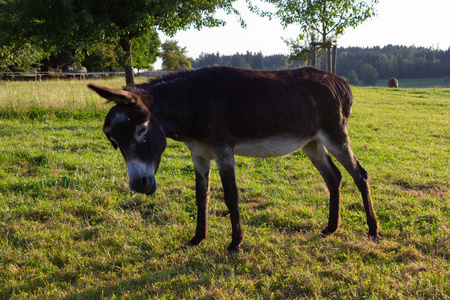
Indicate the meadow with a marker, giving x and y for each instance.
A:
(71, 229)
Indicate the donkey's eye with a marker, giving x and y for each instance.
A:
(142, 129)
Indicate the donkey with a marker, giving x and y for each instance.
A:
(220, 112)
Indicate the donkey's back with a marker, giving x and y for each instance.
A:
(263, 113)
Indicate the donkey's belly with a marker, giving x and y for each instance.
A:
(269, 147)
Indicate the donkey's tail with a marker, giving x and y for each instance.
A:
(345, 95)
(341, 93)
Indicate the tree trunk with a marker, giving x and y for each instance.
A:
(129, 75)
(129, 70)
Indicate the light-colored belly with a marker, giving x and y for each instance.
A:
(270, 147)
(260, 148)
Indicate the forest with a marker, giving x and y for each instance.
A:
(388, 61)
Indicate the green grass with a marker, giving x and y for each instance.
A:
(71, 229)
(53, 98)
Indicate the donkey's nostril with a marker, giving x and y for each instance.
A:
(143, 184)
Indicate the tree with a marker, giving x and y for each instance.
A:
(101, 59)
(26, 55)
(352, 77)
(109, 56)
(258, 61)
(174, 57)
(276, 62)
(327, 18)
(238, 61)
(208, 60)
(369, 74)
(300, 50)
(146, 50)
(57, 25)
(322, 16)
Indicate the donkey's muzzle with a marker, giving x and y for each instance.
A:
(144, 184)
(141, 177)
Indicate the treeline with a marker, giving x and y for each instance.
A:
(388, 61)
(249, 60)
(395, 61)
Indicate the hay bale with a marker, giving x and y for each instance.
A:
(393, 82)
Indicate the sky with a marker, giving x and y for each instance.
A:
(398, 22)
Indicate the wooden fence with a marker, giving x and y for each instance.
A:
(38, 76)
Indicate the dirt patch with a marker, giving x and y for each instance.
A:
(423, 190)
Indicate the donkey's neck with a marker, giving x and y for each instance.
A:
(173, 113)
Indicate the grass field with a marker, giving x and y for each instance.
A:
(71, 229)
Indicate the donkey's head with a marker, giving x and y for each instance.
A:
(130, 126)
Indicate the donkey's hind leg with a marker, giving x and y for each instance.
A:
(320, 158)
(339, 146)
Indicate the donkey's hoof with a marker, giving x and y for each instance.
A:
(193, 242)
(328, 230)
(235, 251)
(186, 246)
(375, 238)
(318, 237)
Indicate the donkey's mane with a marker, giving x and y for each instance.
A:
(161, 80)
(184, 74)
(171, 76)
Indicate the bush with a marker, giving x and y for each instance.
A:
(368, 74)
(352, 78)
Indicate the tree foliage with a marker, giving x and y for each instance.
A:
(300, 50)
(25, 55)
(325, 17)
(368, 74)
(352, 77)
(101, 59)
(248, 60)
(146, 50)
(174, 57)
(395, 61)
(80, 25)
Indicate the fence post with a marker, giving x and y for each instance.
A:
(313, 47)
(329, 57)
(334, 58)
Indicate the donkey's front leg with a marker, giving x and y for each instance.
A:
(202, 191)
(224, 157)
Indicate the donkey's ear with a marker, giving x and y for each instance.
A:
(116, 95)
